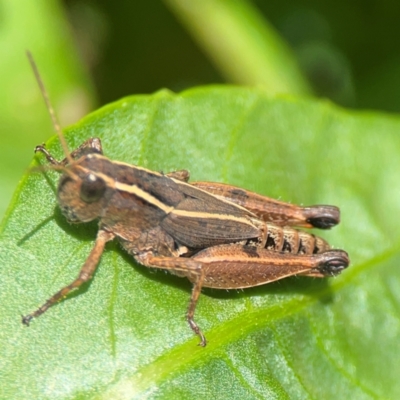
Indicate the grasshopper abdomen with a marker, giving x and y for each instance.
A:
(289, 240)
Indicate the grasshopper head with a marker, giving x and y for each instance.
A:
(81, 192)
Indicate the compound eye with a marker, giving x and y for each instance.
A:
(92, 188)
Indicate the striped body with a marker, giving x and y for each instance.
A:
(150, 211)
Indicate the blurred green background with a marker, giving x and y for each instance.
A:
(94, 52)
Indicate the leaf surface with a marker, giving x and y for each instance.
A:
(124, 335)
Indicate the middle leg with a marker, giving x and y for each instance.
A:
(184, 267)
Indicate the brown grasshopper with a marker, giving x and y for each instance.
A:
(216, 235)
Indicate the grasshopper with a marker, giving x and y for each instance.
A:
(216, 235)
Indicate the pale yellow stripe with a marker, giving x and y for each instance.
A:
(205, 215)
(133, 189)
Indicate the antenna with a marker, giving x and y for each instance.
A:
(49, 107)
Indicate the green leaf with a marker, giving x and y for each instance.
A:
(125, 336)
